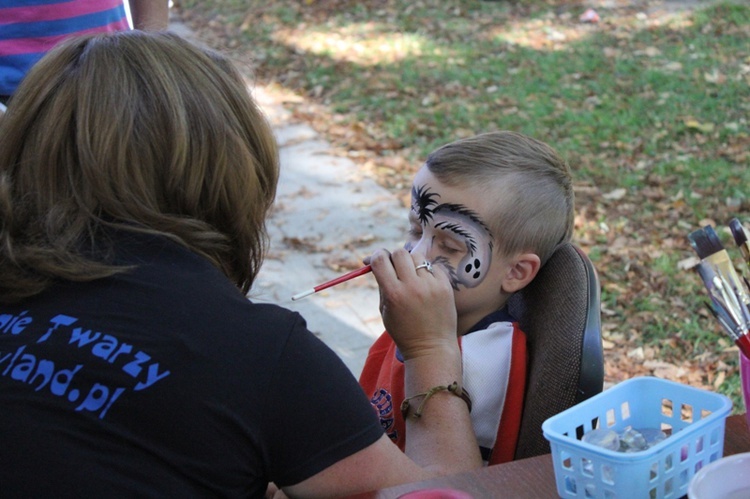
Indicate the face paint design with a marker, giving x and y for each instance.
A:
(452, 275)
(451, 235)
(467, 226)
(422, 203)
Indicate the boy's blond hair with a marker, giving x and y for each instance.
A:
(531, 184)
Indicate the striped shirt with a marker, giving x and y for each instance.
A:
(29, 28)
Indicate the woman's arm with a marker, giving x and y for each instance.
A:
(419, 312)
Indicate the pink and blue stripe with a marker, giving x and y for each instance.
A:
(29, 28)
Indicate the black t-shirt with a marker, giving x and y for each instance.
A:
(165, 381)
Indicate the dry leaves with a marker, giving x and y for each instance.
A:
(630, 230)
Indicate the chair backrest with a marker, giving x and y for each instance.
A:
(560, 313)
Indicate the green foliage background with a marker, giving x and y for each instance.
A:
(650, 107)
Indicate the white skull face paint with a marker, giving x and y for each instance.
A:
(467, 228)
(451, 235)
(449, 226)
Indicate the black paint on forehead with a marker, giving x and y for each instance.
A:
(463, 211)
(423, 202)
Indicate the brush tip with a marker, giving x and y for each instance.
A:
(303, 294)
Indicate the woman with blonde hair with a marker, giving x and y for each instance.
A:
(136, 173)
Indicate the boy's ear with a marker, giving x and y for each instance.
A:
(521, 272)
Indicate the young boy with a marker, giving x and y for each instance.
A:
(489, 209)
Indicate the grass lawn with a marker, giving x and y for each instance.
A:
(650, 106)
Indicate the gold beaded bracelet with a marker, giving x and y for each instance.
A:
(452, 388)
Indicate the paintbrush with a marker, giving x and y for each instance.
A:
(731, 313)
(740, 238)
(724, 298)
(728, 296)
(706, 243)
(723, 319)
(346, 277)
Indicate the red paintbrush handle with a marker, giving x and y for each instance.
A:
(343, 278)
(744, 343)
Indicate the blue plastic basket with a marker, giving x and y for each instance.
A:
(693, 418)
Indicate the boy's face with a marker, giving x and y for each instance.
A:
(449, 226)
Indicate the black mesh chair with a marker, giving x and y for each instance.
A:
(560, 313)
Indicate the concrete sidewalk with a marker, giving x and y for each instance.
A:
(327, 218)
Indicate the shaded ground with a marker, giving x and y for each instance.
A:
(628, 267)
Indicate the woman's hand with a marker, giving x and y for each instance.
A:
(417, 305)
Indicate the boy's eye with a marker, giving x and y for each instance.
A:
(450, 248)
(450, 245)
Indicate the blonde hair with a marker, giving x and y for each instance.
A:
(138, 131)
(531, 184)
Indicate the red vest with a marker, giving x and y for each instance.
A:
(383, 381)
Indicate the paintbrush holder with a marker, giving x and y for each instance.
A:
(745, 374)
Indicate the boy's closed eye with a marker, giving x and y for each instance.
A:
(445, 243)
(458, 234)
(451, 246)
